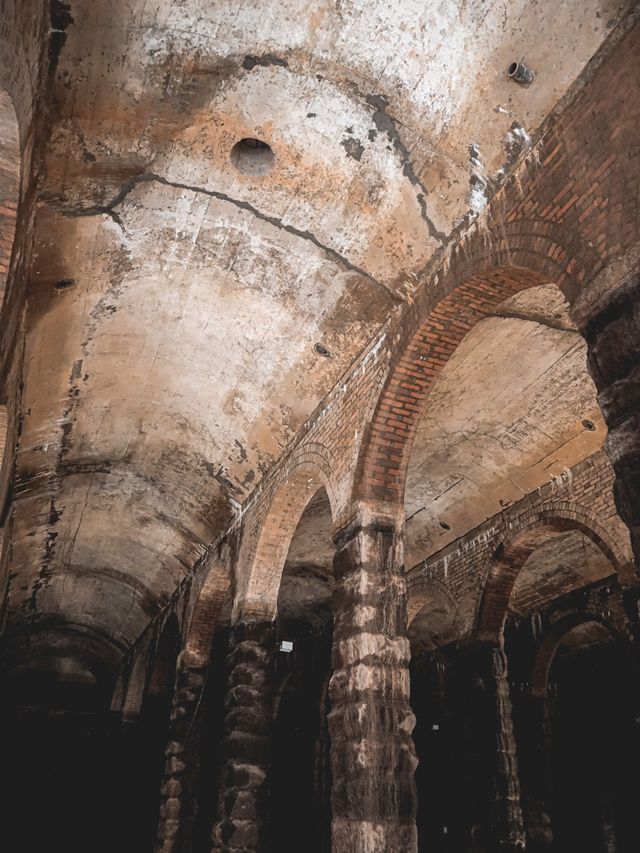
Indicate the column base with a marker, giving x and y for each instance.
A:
(360, 836)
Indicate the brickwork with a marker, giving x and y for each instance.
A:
(476, 573)
(569, 209)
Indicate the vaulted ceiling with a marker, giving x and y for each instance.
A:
(180, 284)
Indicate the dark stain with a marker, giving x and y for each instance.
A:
(372, 135)
(312, 115)
(76, 370)
(386, 124)
(353, 147)
(248, 479)
(54, 514)
(46, 571)
(243, 452)
(65, 442)
(61, 18)
(250, 61)
(220, 476)
(86, 466)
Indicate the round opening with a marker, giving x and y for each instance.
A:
(321, 350)
(252, 157)
(589, 425)
(511, 70)
(444, 525)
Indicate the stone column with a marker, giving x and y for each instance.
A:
(177, 795)
(242, 812)
(373, 759)
(533, 755)
(613, 344)
(500, 773)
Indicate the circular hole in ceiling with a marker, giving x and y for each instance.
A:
(444, 525)
(252, 157)
(321, 350)
(588, 425)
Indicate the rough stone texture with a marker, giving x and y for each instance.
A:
(372, 755)
(243, 808)
(488, 668)
(177, 795)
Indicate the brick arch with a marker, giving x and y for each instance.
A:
(265, 542)
(165, 657)
(484, 269)
(421, 590)
(210, 602)
(523, 537)
(548, 647)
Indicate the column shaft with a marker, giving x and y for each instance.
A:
(243, 802)
(373, 759)
(177, 795)
(534, 772)
(506, 824)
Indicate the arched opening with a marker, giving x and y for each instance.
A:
(490, 401)
(558, 565)
(267, 540)
(554, 555)
(505, 293)
(592, 742)
(300, 814)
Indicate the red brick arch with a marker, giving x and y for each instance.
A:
(514, 550)
(483, 271)
(266, 539)
(422, 590)
(550, 643)
(211, 599)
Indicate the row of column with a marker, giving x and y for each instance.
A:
(372, 754)
(373, 758)
(370, 723)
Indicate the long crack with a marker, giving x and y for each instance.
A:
(151, 177)
(388, 125)
(535, 318)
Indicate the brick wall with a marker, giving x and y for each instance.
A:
(473, 571)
